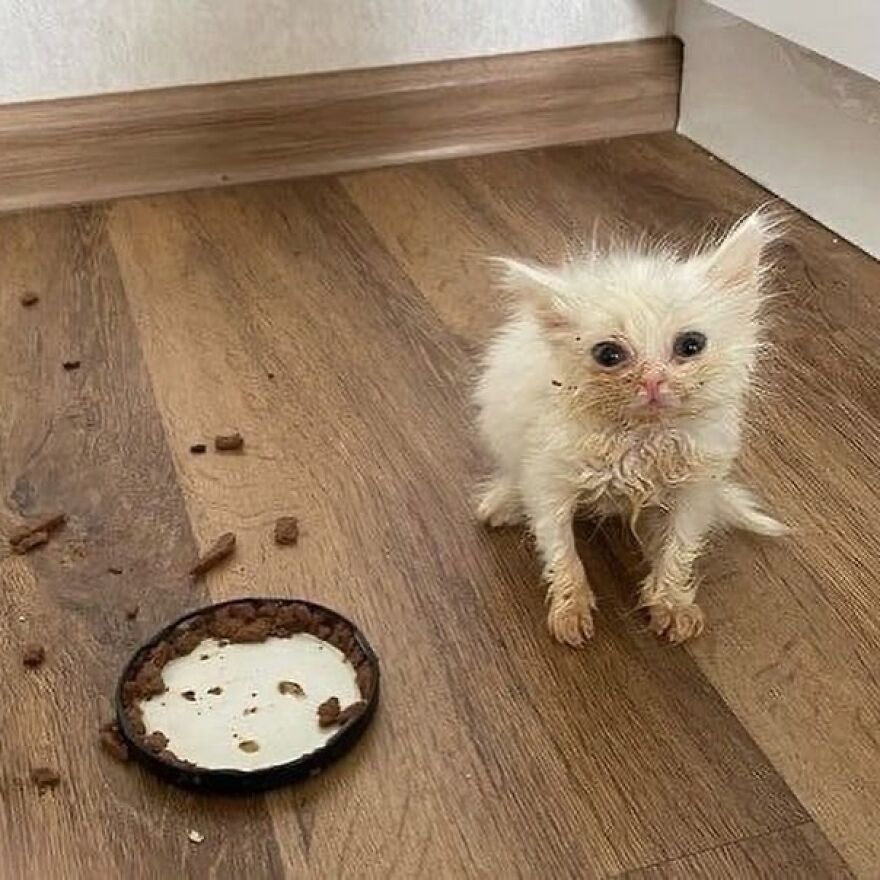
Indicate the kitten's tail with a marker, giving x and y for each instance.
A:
(740, 509)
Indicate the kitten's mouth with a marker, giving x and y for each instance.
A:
(651, 406)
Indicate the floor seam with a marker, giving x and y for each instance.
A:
(707, 849)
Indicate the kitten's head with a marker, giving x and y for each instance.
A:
(652, 335)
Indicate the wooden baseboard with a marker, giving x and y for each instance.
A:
(107, 146)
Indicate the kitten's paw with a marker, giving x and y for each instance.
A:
(500, 506)
(678, 623)
(570, 618)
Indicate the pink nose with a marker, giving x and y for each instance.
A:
(652, 385)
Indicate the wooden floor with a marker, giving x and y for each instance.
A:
(334, 323)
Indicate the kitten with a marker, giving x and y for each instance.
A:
(619, 386)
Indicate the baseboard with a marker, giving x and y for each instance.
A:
(799, 124)
(107, 146)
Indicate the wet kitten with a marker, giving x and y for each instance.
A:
(619, 385)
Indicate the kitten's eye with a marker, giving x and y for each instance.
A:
(608, 354)
(689, 344)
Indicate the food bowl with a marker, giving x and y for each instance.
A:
(248, 695)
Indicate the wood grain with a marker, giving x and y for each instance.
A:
(800, 853)
(495, 752)
(90, 443)
(85, 149)
(794, 626)
(533, 756)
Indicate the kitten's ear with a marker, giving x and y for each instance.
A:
(543, 292)
(737, 263)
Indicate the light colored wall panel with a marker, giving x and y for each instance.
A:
(847, 31)
(805, 127)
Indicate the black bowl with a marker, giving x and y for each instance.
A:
(261, 779)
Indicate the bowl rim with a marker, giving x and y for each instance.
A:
(232, 780)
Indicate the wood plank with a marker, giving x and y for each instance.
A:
(89, 442)
(794, 626)
(85, 149)
(800, 853)
(535, 759)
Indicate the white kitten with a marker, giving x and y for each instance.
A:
(619, 386)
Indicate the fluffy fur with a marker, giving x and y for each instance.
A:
(652, 439)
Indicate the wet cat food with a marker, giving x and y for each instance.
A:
(222, 548)
(286, 530)
(228, 442)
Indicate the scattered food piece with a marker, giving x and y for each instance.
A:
(132, 612)
(198, 448)
(221, 549)
(205, 657)
(195, 836)
(189, 695)
(270, 375)
(114, 570)
(28, 299)
(24, 539)
(250, 710)
(34, 655)
(29, 542)
(71, 365)
(556, 383)
(22, 618)
(156, 741)
(216, 690)
(44, 778)
(249, 745)
(228, 442)
(350, 712)
(291, 689)
(328, 712)
(286, 530)
(112, 742)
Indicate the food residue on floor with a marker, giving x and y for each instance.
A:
(26, 538)
(71, 365)
(228, 442)
(195, 836)
(286, 530)
(44, 778)
(221, 549)
(198, 448)
(34, 656)
(28, 299)
(250, 746)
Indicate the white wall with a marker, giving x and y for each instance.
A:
(847, 31)
(54, 48)
(805, 127)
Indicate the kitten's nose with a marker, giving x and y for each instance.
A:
(652, 386)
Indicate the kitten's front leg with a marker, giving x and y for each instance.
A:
(669, 590)
(551, 516)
